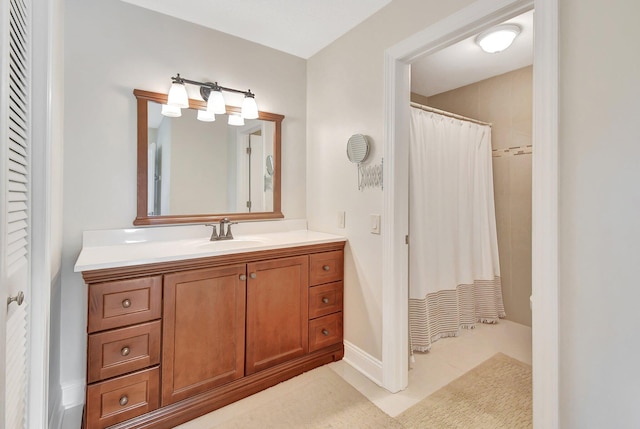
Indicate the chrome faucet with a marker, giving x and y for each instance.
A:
(215, 236)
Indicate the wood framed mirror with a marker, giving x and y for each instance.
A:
(191, 171)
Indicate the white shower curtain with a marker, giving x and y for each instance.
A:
(454, 278)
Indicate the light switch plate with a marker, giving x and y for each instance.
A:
(375, 224)
(341, 219)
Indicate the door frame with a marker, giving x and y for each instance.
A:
(478, 16)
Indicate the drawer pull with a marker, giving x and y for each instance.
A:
(325, 267)
(243, 277)
(126, 303)
(125, 351)
(325, 300)
(253, 275)
(325, 332)
(124, 400)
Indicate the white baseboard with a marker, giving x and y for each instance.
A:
(57, 411)
(369, 366)
(71, 404)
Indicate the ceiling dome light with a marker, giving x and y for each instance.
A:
(497, 39)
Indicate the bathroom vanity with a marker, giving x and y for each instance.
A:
(180, 327)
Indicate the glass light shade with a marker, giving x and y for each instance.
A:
(249, 108)
(178, 96)
(498, 39)
(216, 103)
(236, 120)
(171, 111)
(206, 116)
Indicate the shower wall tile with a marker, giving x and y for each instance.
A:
(506, 101)
(520, 196)
(460, 101)
(522, 101)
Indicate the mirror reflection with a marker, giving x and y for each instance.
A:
(208, 167)
(195, 171)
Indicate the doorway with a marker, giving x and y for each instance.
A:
(468, 21)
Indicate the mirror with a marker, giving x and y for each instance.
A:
(191, 171)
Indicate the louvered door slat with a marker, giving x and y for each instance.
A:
(17, 162)
(15, 206)
(17, 137)
(16, 235)
(17, 177)
(15, 226)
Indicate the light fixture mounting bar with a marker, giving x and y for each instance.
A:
(209, 86)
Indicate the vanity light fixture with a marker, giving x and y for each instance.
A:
(235, 119)
(497, 39)
(171, 111)
(212, 93)
(206, 116)
(178, 96)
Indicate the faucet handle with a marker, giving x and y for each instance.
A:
(214, 233)
(229, 235)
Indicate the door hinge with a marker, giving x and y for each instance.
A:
(406, 239)
(248, 204)
(248, 151)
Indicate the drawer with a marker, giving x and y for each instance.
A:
(325, 267)
(113, 401)
(125, 302)
(325, 299)
(325, 331)
(123, 350)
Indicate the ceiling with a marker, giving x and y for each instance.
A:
(304, 27)
(465, 63)
(298, 27)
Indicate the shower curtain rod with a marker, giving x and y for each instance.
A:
(449, 114)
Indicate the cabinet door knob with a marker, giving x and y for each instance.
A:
(253, 275)
(124, 400)
(325, 267)
(243, 277)
(325, 332)
(325, 300)
(126, 303)
(125, 351)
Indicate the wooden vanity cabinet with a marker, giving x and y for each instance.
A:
(171, 341)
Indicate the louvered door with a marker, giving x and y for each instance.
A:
(14, 213)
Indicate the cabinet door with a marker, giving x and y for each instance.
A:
(277, 312)
(203, 330)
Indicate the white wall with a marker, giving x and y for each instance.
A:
(599, 214)
(111, 48)
(345, 97)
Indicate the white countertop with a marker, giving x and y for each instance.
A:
(121, 248)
